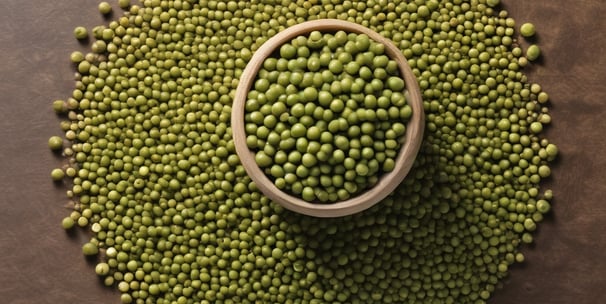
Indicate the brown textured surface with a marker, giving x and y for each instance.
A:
(39, 263)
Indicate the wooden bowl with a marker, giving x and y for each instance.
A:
(387, 182)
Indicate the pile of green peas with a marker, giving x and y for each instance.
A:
(326, 117)
(175, 219)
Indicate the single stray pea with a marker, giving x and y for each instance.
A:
(57, 174)
(527, 30)
(533, 52)
(80, 33)
(55, 143)
(59, 106)
(105, 8)
(519, 257)
(76, 56)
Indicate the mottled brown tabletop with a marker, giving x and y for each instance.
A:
(40, 263)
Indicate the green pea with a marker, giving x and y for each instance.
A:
(126, 298)
(124, 4)
(55, 143)
(543, 97)
(104, 8)
(352, 68)
(308, 194)
(310, 94)
(263, 159)
(67, 223)
(527, 29)
(544, 171)
(533, 52)
(529, 224)
(308, 160)
(362, 169)
(57, 174)
(335, 66)
(59, 106)
(102, 269)
(543, 206)
(76, 57)
(536, 127)
(90, 249)
(298, 130)
(80, 33)
(493, 3)
(395, 83)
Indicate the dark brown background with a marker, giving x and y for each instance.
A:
(40, 263)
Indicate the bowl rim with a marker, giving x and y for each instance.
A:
(387, 182)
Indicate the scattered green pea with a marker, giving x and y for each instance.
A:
(76, 57)
(55, 143)
(519, 257)
(67, 223)
(59, 106)
(105, 8)
(80, 33)
(533, 52)
(57, 174)
(527, 30)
